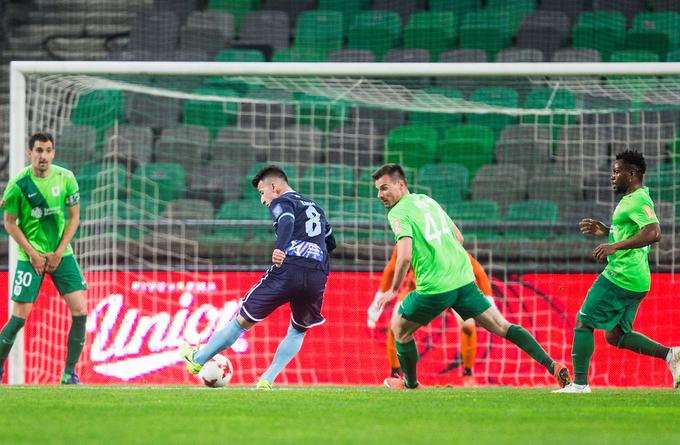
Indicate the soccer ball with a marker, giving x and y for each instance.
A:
(216, 372)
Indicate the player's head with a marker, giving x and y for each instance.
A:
(41, 151)
(629, 167)
(271, 182)
(390, 181)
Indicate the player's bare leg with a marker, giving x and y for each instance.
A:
(76, 336)
(493, 321)
(468, 348)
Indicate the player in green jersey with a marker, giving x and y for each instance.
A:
(41, 213)
(430, 242)
(613, 300)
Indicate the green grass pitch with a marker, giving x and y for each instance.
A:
(335, 415)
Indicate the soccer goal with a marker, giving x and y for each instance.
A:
(172, 233)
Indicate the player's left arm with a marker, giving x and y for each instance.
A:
(73, 220)
(649, 234)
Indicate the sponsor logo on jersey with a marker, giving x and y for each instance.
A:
(648, 212)
(56, 191)
(396, 227)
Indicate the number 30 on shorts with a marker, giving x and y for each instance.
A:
(22, 279)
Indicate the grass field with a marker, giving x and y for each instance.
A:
(335, 415)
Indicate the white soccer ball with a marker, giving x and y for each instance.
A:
(216, 372)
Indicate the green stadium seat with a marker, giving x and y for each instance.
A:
(298, 55)
(499, 96)
(490, 31)
(433, 31)
(411, 145)
(542, 98)
(164, 180)
(469, 215)
(660, 22)
(634, 56)
(237, 8)
(673, 56)
(604, 31)
(327, 180)
(96, 181)
(377, 31)
(663, 181)
(245, 210)
(348, 8)
(240, 55)
(434, 96)
(321, 112)
(100, 109)
(319, 30)
(469, 145)
(213, 115)
(527, 212)
(515, 9)
(458, 7)
(447, 183)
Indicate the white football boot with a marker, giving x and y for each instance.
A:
(674, 365)
(574, 388)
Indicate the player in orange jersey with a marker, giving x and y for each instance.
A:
(468, 337)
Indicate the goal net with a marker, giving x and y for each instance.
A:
(172, 233)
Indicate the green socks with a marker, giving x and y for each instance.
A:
(642, 345)
(581, 351)
(7, 336)
(407, 353)
(75, 343)
(523, 339)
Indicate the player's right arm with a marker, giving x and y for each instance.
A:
(592, 227)
(404, 254)
(37, 259)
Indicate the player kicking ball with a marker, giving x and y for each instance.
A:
(613, 300)
(430, 242)
(298, 277)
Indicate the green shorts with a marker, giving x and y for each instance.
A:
(467, 300)
(608, 305)
(67, 278)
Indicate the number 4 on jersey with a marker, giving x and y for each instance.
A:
(432, 232)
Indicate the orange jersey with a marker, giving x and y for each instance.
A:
(481, 278)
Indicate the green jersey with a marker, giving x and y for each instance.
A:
(439, 261)
(40, 205)
(629, 269)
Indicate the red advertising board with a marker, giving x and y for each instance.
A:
(136, 320)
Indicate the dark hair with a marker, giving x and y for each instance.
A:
(269, 172)
(41, 136)
(633, 159)
(393, 170)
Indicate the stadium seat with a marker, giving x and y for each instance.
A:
(237, 8)
(269, 28)
(583, 149)
(273, 110)
(629, 8)
(447, 183)
(494, 96)
(503, 183)
(319, 30)
(526, 212)
(356, 144)
(327, 181)
(129, 142)
(166, 181)
(183, 209)
(217, 181)
(294, 144)
(434, 31)
(470, 217)
(633, 56)
(239, 210)
(377, 31)
(99, 109)
(520, 55)
(407, 55)
(298, 55)
(515, 10)
(239, 146)
(465, 55)
(436, 97)
(524, 145)
(351, 55)
(458, 7)
(402, 7)
(663, 181)
(213, 115)
(664, 5)
(293, 8)
(547, 31)
(383, 119)
(604, 31)
(209, 31)
(560, 99)
(558, 188)
(320, 111)
(96, 178)
(240, 55)
(658, 32)
(488, 30)
(152, 111)
(157, 31)
(576, 55)
(348, 8)
(574, 211)
(572, 8)
(75, 145)
(411, 145)
(469, 145)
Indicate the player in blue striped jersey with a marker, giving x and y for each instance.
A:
(298, 275)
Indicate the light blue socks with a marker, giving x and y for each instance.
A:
(220, 341)
(287, 349)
